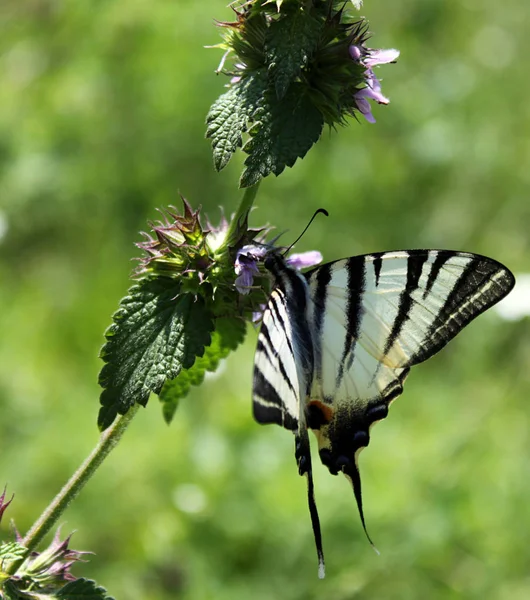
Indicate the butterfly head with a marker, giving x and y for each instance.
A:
(250, 258)
(274, 262)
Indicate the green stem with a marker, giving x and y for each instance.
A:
(107, 441)
(242, 211)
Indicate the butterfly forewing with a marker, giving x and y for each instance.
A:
(403, 307)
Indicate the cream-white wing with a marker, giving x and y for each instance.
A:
(372, 318)
(394, 310)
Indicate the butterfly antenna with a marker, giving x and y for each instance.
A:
(303, 456)
(352, 473)
(319, 211)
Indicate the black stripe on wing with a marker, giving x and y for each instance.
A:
(354, 310)
(415, 264)
(323, 277)
(268, 406)
(267, 352)
(482, 284)
(440, 260)
(278, 318)
(378, 263)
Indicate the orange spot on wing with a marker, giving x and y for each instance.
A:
(327, 411)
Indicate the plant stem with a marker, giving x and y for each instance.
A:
(242, 211)
(107, 441)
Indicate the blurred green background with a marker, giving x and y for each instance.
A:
(102, 107)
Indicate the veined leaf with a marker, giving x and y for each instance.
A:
(229, 333)
(284, 131)
(11, 551)
(229, 116)
(290, 43)
(82, 589)
(156, 333)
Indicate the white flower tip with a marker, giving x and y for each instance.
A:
(381, 57)
(393, 54)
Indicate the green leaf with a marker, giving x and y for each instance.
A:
(284, 131)
(83, 589)
(229, 333)
(11, 551)
(10, 591)
(290, 43)
(229, 116)
(156, 333)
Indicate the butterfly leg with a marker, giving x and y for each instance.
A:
(303, 459)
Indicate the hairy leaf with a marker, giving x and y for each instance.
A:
(156, 333)
(82, 589)
(229, 116)
(284, 131)
(11, 551)
(229, 333)
(290, 43)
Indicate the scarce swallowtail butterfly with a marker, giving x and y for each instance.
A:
(336, 344)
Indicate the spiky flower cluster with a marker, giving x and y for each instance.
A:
(332, 60)
(201, 259)
(40, 574)
(180, 246)
(51, 567)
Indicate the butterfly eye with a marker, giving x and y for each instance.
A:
(269, 262)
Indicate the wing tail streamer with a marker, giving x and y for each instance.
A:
(303, 457)
(351, 471)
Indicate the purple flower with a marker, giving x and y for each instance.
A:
(304, 259)
(247, 259)
(246, 266)
(380, 57)
(370, 58)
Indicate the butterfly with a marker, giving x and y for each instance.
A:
(337, 342)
